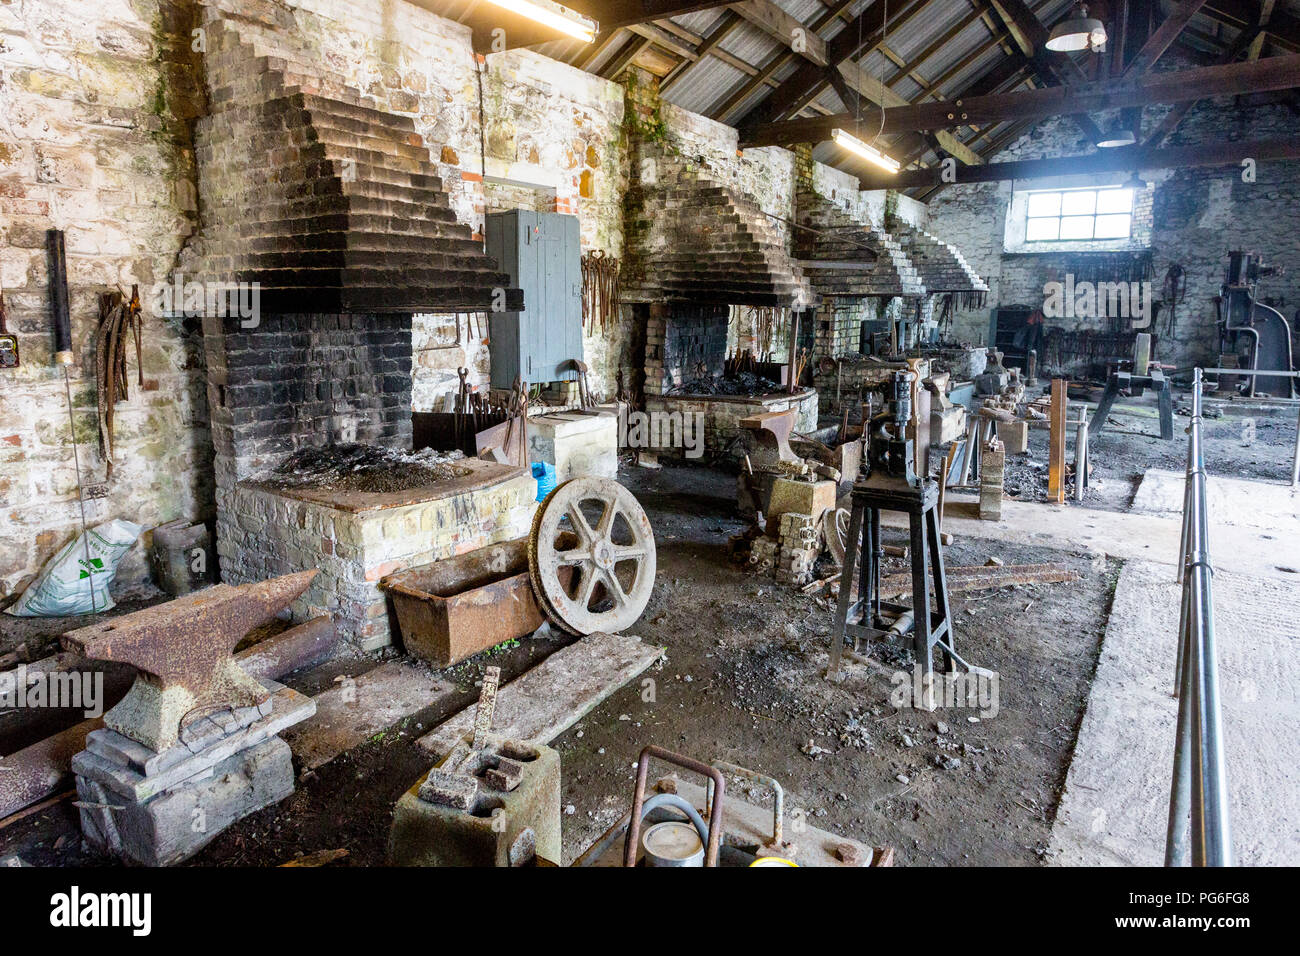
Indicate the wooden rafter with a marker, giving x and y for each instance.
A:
(622, 13)
(994, 146)
(1163, 38)
(1007, 73)
(809, 80)
(1104, 161)
(628, 52)
(908, 70)
(1282, 27)
(1176, 115)
(1273, 73)
(1031, 36)
(588, 55)
(723, 108)
(783, 28)
(726, 26)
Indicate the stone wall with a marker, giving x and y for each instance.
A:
(95, 139)
(1195, 217)
(553, 144)
(94, 99)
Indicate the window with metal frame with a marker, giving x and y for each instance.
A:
(1079, 215)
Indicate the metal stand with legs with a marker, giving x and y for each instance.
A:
(870, 617)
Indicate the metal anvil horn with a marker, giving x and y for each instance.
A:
(183, 652)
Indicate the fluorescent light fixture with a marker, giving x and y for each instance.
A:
(865, 151)
(569, 22)
(1117, 135)
(1078, 32)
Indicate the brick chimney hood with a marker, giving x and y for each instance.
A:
(329, 204)
(692, 238)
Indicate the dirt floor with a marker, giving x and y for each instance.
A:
(743, 681)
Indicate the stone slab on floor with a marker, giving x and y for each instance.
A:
(352, 711)
(1231, 501)
(1133, 537)
(541, 704)
(1115, 806)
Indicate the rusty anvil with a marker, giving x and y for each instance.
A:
(183, 651)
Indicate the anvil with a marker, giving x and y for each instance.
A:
(183, 651)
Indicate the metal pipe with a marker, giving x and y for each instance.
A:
(1295, 460)
(1198, 792)
(778, 795)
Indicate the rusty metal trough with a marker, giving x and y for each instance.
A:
(451, 609)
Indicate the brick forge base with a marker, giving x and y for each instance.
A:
(264, 532)
(724, 439)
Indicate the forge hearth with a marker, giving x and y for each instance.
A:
(312, 428)
(357, 537)
(686, 352)
(332, 210)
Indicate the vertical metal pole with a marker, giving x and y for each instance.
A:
(1295, 461)
(853, 552)
(1183, 555)
(1211, 830)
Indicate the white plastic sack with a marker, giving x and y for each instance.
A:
(64, 586)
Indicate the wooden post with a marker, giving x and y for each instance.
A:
(1056, 444)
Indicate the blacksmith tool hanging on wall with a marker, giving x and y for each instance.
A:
(119, 323)
(58, 265)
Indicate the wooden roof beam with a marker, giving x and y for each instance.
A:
(726, 26)
(1031, 36)
(722, 109)
(785, 29)
(621, 13)
(1105, 161)
(1176, 115)
(1261, 76)
(807, 82)
(1282, 27)
(1163, 38)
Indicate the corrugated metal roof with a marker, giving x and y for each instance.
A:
(708, 83)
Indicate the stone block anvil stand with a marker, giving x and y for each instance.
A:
(193, 746)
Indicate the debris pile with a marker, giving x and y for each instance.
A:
(745, 384)
(356, 467)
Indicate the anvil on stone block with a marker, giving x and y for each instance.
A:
(183, 651)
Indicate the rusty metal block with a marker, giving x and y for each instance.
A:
(772, 431)
(505, 776)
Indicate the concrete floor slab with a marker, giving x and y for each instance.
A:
(1142, 537)
(1231, 501)
(1116, 800)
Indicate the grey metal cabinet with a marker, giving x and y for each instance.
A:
(540, 251)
